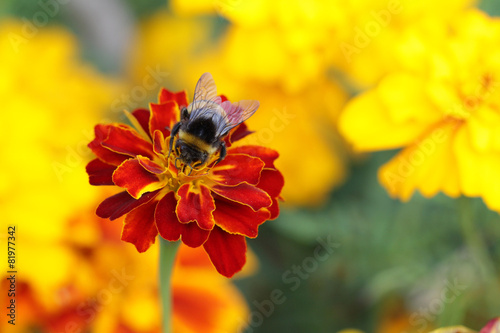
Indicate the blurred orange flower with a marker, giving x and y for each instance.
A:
(226, 201)
(122, 294)
(446, 116)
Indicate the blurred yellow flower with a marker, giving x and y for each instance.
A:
(298, 114)
(51, 100)
(292, 42)
(376, 37)
(284, 43)
(170, 45)
(445, 115)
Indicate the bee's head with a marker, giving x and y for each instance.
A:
(190, 155)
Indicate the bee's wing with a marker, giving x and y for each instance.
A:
(236, 113)
(204, 91)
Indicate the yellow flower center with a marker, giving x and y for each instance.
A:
(177, 173)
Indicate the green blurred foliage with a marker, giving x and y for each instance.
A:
(145, 8)
(492, 7)
(390, 253)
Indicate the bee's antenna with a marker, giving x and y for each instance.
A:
(169, 152)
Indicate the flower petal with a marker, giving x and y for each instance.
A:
(150, 166)
(428, 165)
(139, 126)
(271, 181)
(135, 179)
(163, 117)
(267, 155)
(179, 97)
(236, 134)
(236, 218)
(100, 173)
(171, 229)
(120, 204)
(246, 194)
(103, 153)
(159, 143)
(274, 210)
(394, 114)
(195, 204)
(123, 139)
(236, 169)
(492, 326)
(191, 313)
(142, 116)
(190, 297)
(140, 228)
(226, 251)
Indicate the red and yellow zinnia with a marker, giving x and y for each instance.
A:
(216, 207)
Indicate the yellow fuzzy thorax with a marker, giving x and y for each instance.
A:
(197, 142)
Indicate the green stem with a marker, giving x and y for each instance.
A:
(168, 251)
(475, 243)
(474, 239)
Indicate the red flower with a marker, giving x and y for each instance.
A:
(216, 207)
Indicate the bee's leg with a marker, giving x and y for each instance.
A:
(173, 133)
(223, 152)
(175, 163)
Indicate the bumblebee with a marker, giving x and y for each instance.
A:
(204, 123)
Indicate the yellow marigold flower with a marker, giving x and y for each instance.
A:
(446, 116)
(376, 37)
(171, 58)
(50, 100)
(297, 34)
(365, 39)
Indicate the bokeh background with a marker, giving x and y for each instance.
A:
(343, 253)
